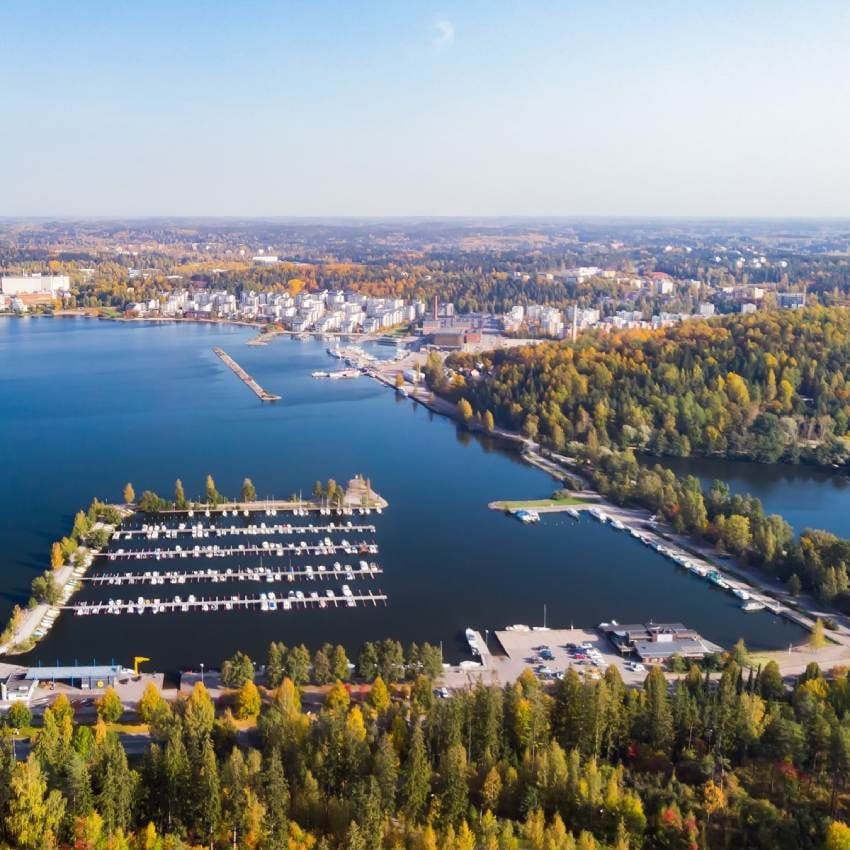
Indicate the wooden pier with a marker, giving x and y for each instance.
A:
(215, 551)
(156, 530)
(264, 602)
(267, 574)
(240, 373)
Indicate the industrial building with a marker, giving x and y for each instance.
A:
(35, 284)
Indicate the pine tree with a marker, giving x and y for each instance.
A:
(207, 792)
(416, 780)
(276, 798)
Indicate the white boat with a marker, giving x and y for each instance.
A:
(752, 605)
(527, 517)
(741, 593)
(472, 640)
(573, 513)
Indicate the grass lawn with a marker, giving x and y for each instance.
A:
(531, 504)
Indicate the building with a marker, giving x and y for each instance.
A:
(655, 643)
(35, 284)
(18, 687)
(791, 300)
(84, 676)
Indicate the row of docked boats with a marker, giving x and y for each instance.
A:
(340, 373)
(270, 601)
(325, 547)
(701, 570)
(711, 575)
(298, 510)
(337, 570)
(156, 530)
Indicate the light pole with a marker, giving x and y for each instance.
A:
(202, 672)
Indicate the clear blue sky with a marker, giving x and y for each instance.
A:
(568, 107)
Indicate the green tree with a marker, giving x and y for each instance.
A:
(298, 664)
(237, 670)
(339, 664)
(19, 715)
(454, 798)
(81, 526)
(180, 501)
(109, 706)
(213, 496)
(275, 664)
(154, 709)
(33, 815)
(322, 673)
(207, 791)
(416, 778)
(249, 492)
(368, 662)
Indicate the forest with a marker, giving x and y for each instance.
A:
(771, 386)
(732, 760)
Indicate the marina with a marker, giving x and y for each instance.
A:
(243, 376)
(439, 546)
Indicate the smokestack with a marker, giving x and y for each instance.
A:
(575, 322)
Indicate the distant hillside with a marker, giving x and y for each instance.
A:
(770, 386)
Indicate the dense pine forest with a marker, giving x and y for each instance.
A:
(769, 386)
(729, 762)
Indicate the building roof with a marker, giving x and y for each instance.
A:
(85, 671)
(655, 649)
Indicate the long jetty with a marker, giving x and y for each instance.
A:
(240, 373)
(268, 574)
(280, 549)
(155, 530)
(263, 602)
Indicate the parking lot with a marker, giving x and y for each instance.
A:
(546, 652)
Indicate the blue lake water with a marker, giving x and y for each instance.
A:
(807, 496)
(87, 405)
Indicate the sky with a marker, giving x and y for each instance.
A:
(372, 108)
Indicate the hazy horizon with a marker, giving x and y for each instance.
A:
(421, 111)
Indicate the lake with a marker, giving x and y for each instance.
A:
(807, 496)
(87, 405)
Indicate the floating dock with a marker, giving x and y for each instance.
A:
(240, 373)
(153, 531)
(268, 574)
(215, 551)
(263, 602)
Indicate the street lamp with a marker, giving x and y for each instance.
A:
(202, 672)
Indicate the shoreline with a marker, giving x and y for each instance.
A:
(803, 610)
